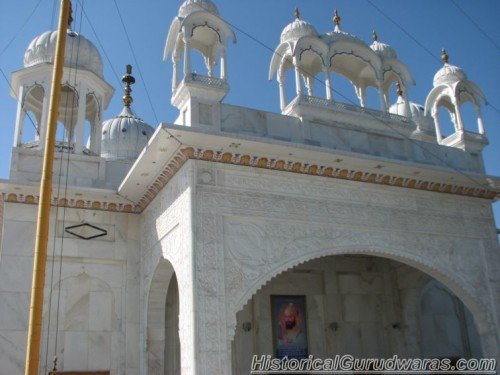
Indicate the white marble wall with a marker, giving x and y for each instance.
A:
(252, 225)
(98, 327)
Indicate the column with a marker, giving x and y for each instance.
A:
(328, 84)
(175, 75)
(96, 130)
(383, 103)
(362, 96)
(298, 85)
(223, 64)
(407, 103)
(458, 115)
(480, 124)
(79, 127)
(187, 59)
(435, 116)
(42, 128)
(281, 82)
(20, 116)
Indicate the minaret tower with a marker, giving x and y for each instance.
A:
(198, 27)
(85, 95)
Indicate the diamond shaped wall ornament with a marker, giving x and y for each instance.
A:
(86, 231)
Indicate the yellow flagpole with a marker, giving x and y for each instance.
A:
(42, 229)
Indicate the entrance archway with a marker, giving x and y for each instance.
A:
(366, 306)
(163, 344)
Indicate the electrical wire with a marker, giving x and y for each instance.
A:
(18, 100)
(21, 28)
(475, 24)
(100, 44)
(135, 60)
(72, 68)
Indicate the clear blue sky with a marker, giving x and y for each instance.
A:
(435, 24)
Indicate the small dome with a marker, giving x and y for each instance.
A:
(297, 29)
(417, 113)
(385, 51)
(191, 6)
(124, 136)
(80, 52)
(449, 74)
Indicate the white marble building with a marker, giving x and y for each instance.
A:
(382, 223)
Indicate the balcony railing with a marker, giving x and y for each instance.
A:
(206, 80)
(325, 103)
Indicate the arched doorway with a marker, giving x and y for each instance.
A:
(365, 306)
(163, 344)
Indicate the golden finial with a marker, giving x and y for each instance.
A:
(399, 90)
(336, 18)
(444, 56)
(128, 80)
(374, 36)
(297, 13)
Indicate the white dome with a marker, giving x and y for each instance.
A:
(449, 74)
(124, 136)
(297, 29)
(80, 52)
(339, 35)
(191, 6)
(385, 51)
(417, 113)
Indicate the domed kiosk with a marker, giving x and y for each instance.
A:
(85, 94)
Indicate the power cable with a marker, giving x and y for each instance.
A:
(100, 43)
(475, 24)
(21, 28)
(18, 99)
(135, 60)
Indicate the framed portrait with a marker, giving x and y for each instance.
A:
(289, 326)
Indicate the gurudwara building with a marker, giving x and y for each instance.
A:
(325, 229)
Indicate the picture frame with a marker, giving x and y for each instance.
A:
(289, 326)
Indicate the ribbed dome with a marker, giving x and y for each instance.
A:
(385, 51)
(124, 136)
(80, 52)
(190, 6)
(449, 74)
(338, 35)
(297, 29)
(417, 113)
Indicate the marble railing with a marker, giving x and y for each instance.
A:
(206, 80)
(325, 103)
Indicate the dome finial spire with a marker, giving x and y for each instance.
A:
(374, 36)
(128, 80)
(399, 90)
(444, 56)
(297, 13)
(336, 18)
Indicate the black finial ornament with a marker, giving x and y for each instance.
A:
(336, 18)
(374, 36)
(128, 79)
(297, 13)
(444, 56)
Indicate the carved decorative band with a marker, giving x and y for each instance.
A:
(258, 162)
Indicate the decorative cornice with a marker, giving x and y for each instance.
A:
(303, 168)
(71, 203)
(294, 166)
